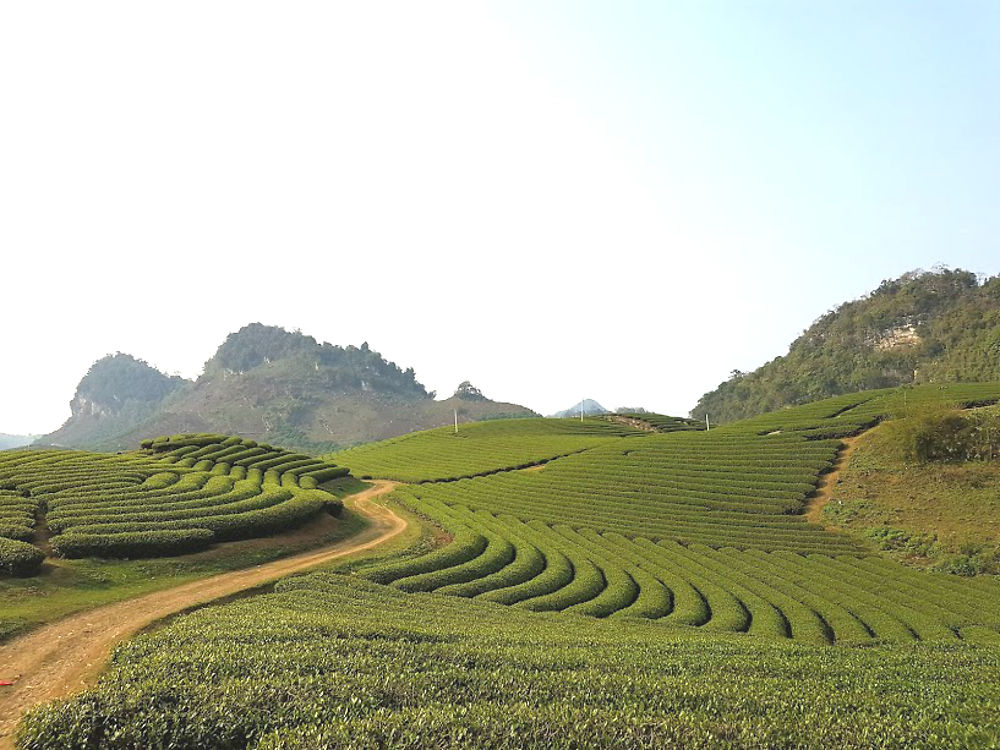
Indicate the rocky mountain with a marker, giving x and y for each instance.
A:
(588, 406)
(268, 384)
(924, 327)
(118, 393)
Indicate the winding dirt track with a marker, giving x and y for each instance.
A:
(824, 490)
(66, 656)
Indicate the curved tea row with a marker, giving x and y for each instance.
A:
(178, 494)
(478, 448)
(700, 528)
(546, 567)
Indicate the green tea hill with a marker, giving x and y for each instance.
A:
(176, 495)
(599, 584)
(699, 527)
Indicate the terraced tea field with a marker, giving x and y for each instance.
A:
(330, 661)
(477, 448)
(597, 585)
(702, 528)
(712, 488)
(851, 413)
(178, 495)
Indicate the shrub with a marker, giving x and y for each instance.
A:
(465, 545)
(16, 531)
(19, 558)
(939, 433)
(271, 520)
(132, 544)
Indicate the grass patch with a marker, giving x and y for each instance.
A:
(931, 514)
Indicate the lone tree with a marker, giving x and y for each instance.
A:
(468, 392)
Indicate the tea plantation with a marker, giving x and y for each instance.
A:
(330, 661)
(597, 585)
(177, 495)
(478, 448)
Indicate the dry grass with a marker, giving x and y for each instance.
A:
(942, 510)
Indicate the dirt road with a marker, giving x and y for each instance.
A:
(824, 490)
(65, 657)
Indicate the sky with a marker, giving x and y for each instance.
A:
(554, 200)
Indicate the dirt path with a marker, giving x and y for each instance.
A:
(824, 490)
(64, 657)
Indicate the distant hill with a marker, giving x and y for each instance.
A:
(588, 405)
(118, 393)
(15, 441)
(924, 327)
(268, 384)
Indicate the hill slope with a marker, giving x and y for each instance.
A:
(652, 583)
(268, 384)
(118, 393)
(936, 327)
(691, 527)
(177, 495)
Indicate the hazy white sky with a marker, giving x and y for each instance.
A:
(617, 200)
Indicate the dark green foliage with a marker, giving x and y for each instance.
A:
(935, 432)
(19, 558)
(466, 391)
(939, 327)
(10, 530)
(258, 345)
(132, 544)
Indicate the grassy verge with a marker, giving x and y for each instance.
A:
(67, 586)
(945, 516)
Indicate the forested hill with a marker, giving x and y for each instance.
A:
(925, 327)
(118, 392)
(268, 384)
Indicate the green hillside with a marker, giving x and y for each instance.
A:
(266, 383)
(693, 527)
(475, 449)
(178, 495)
(942, 512)
(936, 327)
(643, 589)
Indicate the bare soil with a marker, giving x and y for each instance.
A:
(638, 424)
(64, 657)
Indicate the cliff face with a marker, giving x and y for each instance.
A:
(936, 327)
(268, 384)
